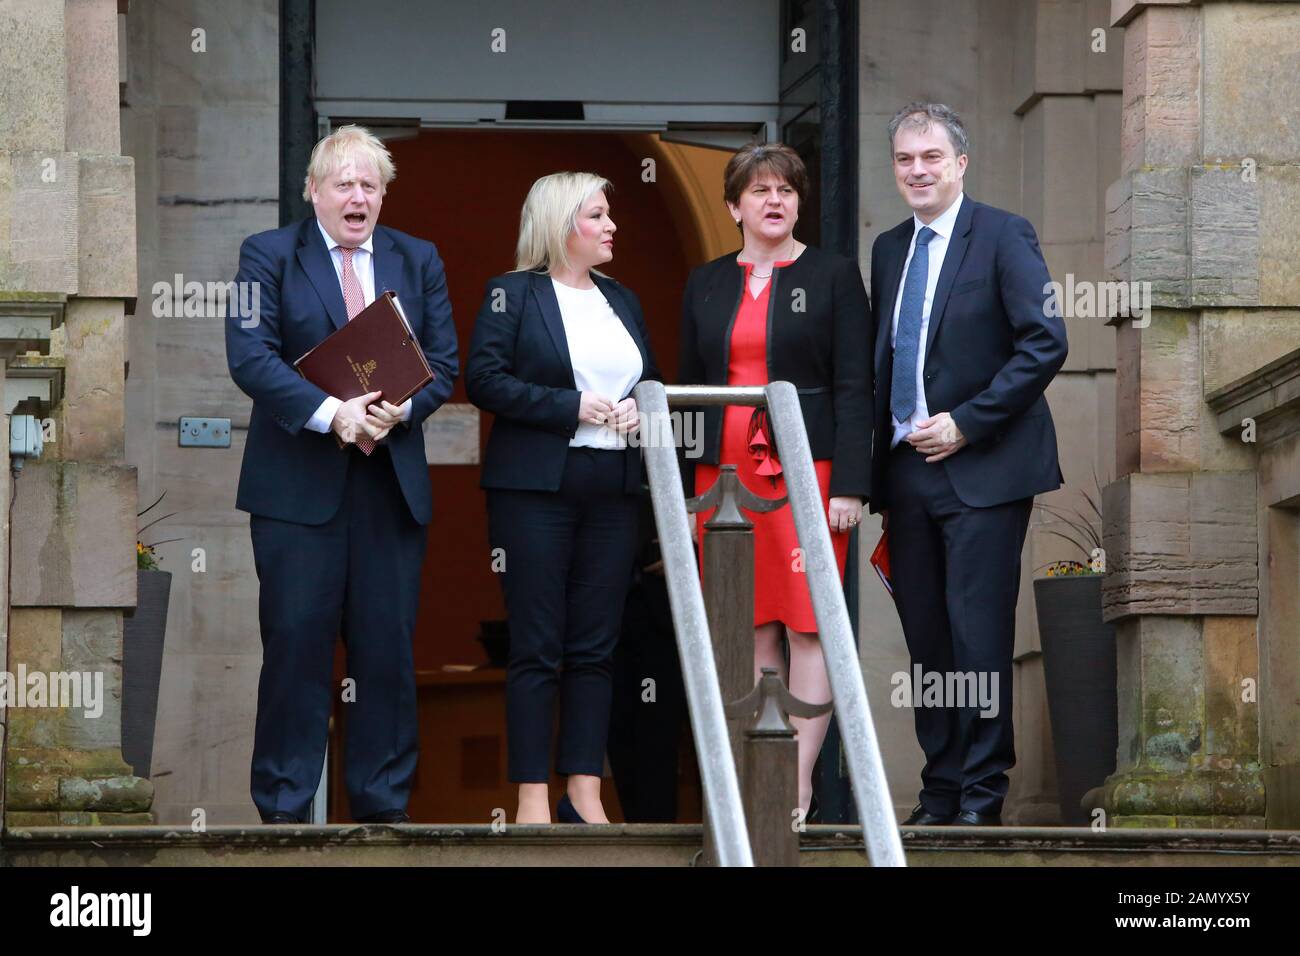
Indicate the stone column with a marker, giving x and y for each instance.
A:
(5, 492)
(67, 251)
(1205, 212)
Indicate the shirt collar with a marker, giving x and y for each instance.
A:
(946, 221)
(331, 245)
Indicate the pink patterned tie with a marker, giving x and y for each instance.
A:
(354, 300)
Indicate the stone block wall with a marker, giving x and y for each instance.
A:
(67, 242)
(6, 490)
(1205, 212)
(203, 129)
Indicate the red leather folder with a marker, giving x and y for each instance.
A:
(880, 561)
(375, 352)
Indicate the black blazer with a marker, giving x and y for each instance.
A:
(818, 338)
(994, 344)
(289, 472)
(519, 369)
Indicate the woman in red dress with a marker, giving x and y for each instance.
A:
(781, 310)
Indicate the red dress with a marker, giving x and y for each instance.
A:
(780, 591)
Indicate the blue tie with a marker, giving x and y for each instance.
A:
(907, 340)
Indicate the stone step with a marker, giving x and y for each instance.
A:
(623, 845)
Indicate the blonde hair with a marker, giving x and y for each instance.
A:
(349, 142)
(549, 217)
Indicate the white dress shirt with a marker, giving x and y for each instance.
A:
(942, 227)
(363, 264)
(605, 358)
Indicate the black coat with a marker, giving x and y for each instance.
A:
(818, 338)
(519, 369)
(290, 472)
(994, 345)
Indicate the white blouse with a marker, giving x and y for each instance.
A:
(605, 358)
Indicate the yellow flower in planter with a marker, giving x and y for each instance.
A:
(1060, 569)
(1081, 528)
(146, 559)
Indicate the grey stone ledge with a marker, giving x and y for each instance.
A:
(1269, 393)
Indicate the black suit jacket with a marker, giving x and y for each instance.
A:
(993, 345)
(818, 339)
(290, 472)
(519, 369)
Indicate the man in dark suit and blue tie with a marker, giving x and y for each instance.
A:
(967, 340)
(338, 535)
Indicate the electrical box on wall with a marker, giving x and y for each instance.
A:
(25, 438)
(204, 432)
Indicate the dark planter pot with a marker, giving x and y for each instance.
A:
(143, 634)
(1079, 666)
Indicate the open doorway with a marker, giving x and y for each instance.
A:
(463, 190)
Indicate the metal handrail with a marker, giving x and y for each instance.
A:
(866, 768)
(725, 814)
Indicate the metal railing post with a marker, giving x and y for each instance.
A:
(866, 769)
(771, 782)
(717, 766)
(728, 572)
(725, 814)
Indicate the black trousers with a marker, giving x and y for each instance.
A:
(358, 573)
(956, 577)
(568, 564)
(646, 720)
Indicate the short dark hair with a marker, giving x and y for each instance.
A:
(919, 116)
(776, 158)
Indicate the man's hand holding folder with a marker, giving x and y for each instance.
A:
(350, 421)
(377, 347)
(385, 415)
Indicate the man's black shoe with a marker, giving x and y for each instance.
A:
(386, 816)
(969, 818)
(280, 817)
(921, 817)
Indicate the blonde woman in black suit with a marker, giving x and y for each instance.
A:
(556, 352)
